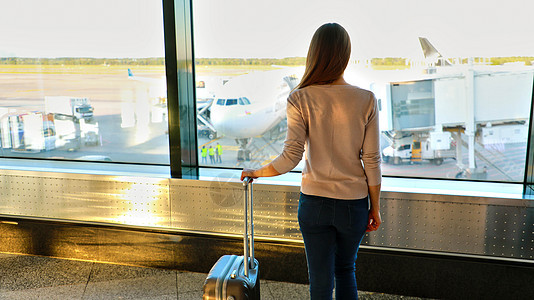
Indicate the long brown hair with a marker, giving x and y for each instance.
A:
(328, 55)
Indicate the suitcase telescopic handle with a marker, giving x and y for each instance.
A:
(246, 181)
(248, 239)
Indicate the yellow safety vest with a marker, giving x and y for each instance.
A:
(219, 149)
(212, 151)
(204, 152)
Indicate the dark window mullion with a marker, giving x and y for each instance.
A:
(180, 86)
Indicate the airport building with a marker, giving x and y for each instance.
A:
(125, 125)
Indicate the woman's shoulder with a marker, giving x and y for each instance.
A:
(345, 90)
(333, 87)
(358, 92)
(357, 89)
(298, 94)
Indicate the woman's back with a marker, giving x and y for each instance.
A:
(332, 120)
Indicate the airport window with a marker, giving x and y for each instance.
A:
(76, 87)
(459, 93)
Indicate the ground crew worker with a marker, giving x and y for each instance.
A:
(204, 154)
(211, 152)
(218, 148)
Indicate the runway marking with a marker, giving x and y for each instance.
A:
(224, 147)
(231, 148)
(32, 90)
(200, 147)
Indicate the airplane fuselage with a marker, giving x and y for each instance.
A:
(246, 121)
(250, 105)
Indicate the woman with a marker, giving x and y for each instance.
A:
(337, 124)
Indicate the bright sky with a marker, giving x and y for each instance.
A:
(274, 28)
(80, 28)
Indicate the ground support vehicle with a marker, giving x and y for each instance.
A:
(435, 149)
(79, 108)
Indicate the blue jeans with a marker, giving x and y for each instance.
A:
(332, 230)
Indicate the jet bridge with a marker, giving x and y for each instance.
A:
(478, 102)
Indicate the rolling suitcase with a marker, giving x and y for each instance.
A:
(236, 277)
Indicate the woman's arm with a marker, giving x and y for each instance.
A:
(370, 154)
(293, 146)
(371, 160)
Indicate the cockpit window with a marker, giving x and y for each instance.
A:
(231, 102)
(228, 102)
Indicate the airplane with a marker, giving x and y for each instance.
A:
(250, 105)
(243, 107)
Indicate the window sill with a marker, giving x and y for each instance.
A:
(79, 167)
(389, 184)
(392, 184)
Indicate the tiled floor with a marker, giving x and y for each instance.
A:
(33, 277)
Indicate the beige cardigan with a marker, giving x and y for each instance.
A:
(337, 125)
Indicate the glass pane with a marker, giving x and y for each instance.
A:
(231, 102)
(83, 81)
(454, 86)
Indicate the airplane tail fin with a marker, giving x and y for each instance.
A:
(431, 52)
(130, 73)
(428, 49)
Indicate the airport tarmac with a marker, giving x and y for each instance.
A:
(129, 133)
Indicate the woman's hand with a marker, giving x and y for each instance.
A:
(248, 173)
(374, 220)
(265, 171)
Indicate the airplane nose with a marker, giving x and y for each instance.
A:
(232, 122)
(220, 120)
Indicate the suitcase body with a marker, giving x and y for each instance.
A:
(237, 277)
(227, 280)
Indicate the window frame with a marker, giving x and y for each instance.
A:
(186, 5)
